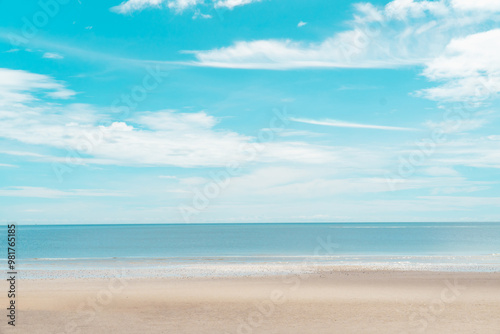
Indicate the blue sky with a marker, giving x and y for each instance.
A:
(172, 111)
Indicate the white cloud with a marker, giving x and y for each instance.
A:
(456, 190)
(179, 6)
(282, 184)
(7, 165)
(22, 154)
(301, 24)
(171, 120)
(55, 193)
(337, 52)
(461, 202)
(342, 124)
(233, 3)
(130, 6)
(19, 87)
(124, 143)
(198, 13)
(476, 5)
(404, 9)
(404, 32)
(457, 126)
(163, 138)
(469, 67)
(50, 55)
(473, 152)
(445, 36)
(440, 171)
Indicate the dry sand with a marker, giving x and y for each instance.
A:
(327, 302)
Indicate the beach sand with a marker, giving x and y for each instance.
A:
(325, 302)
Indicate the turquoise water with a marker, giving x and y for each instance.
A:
(158, 241)
(347, 243)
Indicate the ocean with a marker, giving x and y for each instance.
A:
(196, 247)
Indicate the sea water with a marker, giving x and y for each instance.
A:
(419, 246)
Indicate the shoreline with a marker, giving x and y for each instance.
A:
(330, 272)
(158, 268)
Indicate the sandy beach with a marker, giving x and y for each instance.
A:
(325, 302)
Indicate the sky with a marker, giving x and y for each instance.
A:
(241, 111)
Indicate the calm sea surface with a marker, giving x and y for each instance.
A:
(339, 243)
(202, 240)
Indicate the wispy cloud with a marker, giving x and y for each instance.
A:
(8, 165)
(18, 86)
(23, 154)
(51, 55)
(401, 33)
(161, 138)
(179, 6)
(75, 51)
(448, 38)
(452, 126)
(168, 177)
(477, 5)
(342, 124)
(474, 152)
(440, 171)
(233, 3)
(131, 6)
(42, 192)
